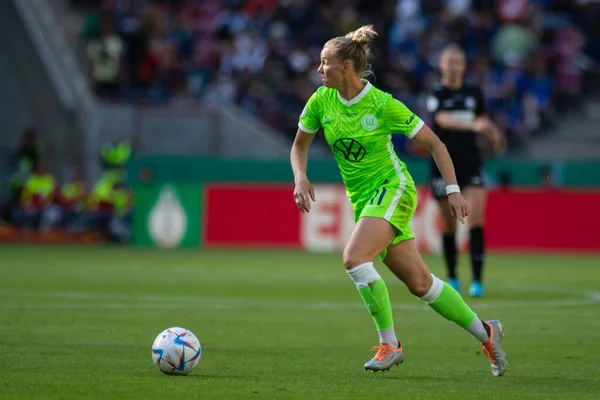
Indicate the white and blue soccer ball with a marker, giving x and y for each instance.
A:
(176, 351)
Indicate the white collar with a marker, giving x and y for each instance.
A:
(358, 97)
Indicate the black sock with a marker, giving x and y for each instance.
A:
(486, 327)
(450, 254)
(477, 252)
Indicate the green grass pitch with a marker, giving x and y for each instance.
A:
(78, 323)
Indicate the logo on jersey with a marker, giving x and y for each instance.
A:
(411, 119)
(369, 122)
(351, 149)
(470, 102)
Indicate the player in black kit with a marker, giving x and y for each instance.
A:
(460, 120)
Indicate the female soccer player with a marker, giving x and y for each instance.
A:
(459, 118)
(358, 120)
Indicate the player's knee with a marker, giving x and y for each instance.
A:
(420, 285)
(352, 259)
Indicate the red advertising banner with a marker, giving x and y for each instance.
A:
(266, 216)
(544, 220)
(250, 216)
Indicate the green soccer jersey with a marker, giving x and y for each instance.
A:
(359, 134)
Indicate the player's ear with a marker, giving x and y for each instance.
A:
(346, 66)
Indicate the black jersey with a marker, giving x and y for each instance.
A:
(464, 104)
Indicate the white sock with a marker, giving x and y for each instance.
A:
(478, 330)
(388, 336)
(362, 275)
(434, 291)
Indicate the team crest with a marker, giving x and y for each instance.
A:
(369, 122)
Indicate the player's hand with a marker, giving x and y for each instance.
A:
(303, 193)
(459, 208)
(480, 126)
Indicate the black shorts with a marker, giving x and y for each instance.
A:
(467, 175)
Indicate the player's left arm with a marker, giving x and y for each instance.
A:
(429, 140)
(400, 119)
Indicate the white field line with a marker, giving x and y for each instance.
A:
(77, 300)
(523, 306)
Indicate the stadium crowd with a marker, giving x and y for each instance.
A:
(529, 56)
(35, 200)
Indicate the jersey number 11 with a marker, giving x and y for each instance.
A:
(378, 192)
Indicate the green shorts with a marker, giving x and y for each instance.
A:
(394, 202)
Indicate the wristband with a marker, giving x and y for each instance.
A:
(452, 189)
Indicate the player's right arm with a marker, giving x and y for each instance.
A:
(303, 190)
(308, 126)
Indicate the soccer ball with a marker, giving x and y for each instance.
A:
(176, 351)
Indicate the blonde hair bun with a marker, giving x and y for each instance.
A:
(363, 35)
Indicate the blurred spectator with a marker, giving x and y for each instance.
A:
(38, 194)
(119, 226)
(104, 56)
(261, 55)
(100, 201)
(110, 207)
(513, 10)
(569, 46)
(72, 203)
(21, 163)
(39, 202)
(26, 156)
(513, 43)
(115, 155)
(538, 88)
